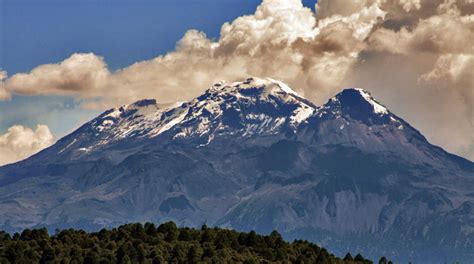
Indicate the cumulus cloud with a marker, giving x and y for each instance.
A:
(282, 40)
(412, 54)
(452, 68)
(20, 142)
(81, 74)
(438, 34)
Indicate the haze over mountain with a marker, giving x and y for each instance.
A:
(349, 174)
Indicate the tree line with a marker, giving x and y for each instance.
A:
(138, 243)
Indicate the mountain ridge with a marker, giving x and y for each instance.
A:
(147, 110)
(255, 155)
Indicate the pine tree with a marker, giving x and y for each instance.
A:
(348, 257)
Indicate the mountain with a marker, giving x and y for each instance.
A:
(254, 155)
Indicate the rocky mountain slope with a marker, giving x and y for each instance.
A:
(349, 175)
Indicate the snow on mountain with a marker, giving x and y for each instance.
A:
(254, 106)
(378, 108)
(359, 104)
(250, 108)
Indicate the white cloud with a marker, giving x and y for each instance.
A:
(409, 5)
(452, 68)
(20, 142)
(83, 75)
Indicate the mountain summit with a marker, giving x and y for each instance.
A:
(254, 106)
(349, 174)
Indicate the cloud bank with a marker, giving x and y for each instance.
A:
(416, 56)
(20, 142)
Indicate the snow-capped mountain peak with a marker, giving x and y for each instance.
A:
(378, 108)
(253, 107)
(141, 107)
(255, 87)
(358, 104)
(358, 97)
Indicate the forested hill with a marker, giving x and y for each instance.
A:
(137, 243)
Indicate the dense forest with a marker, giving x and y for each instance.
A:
(137, 243)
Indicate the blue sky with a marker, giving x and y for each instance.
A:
(35, 32)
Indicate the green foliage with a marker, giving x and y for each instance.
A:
(137, 243)
(383, 260)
